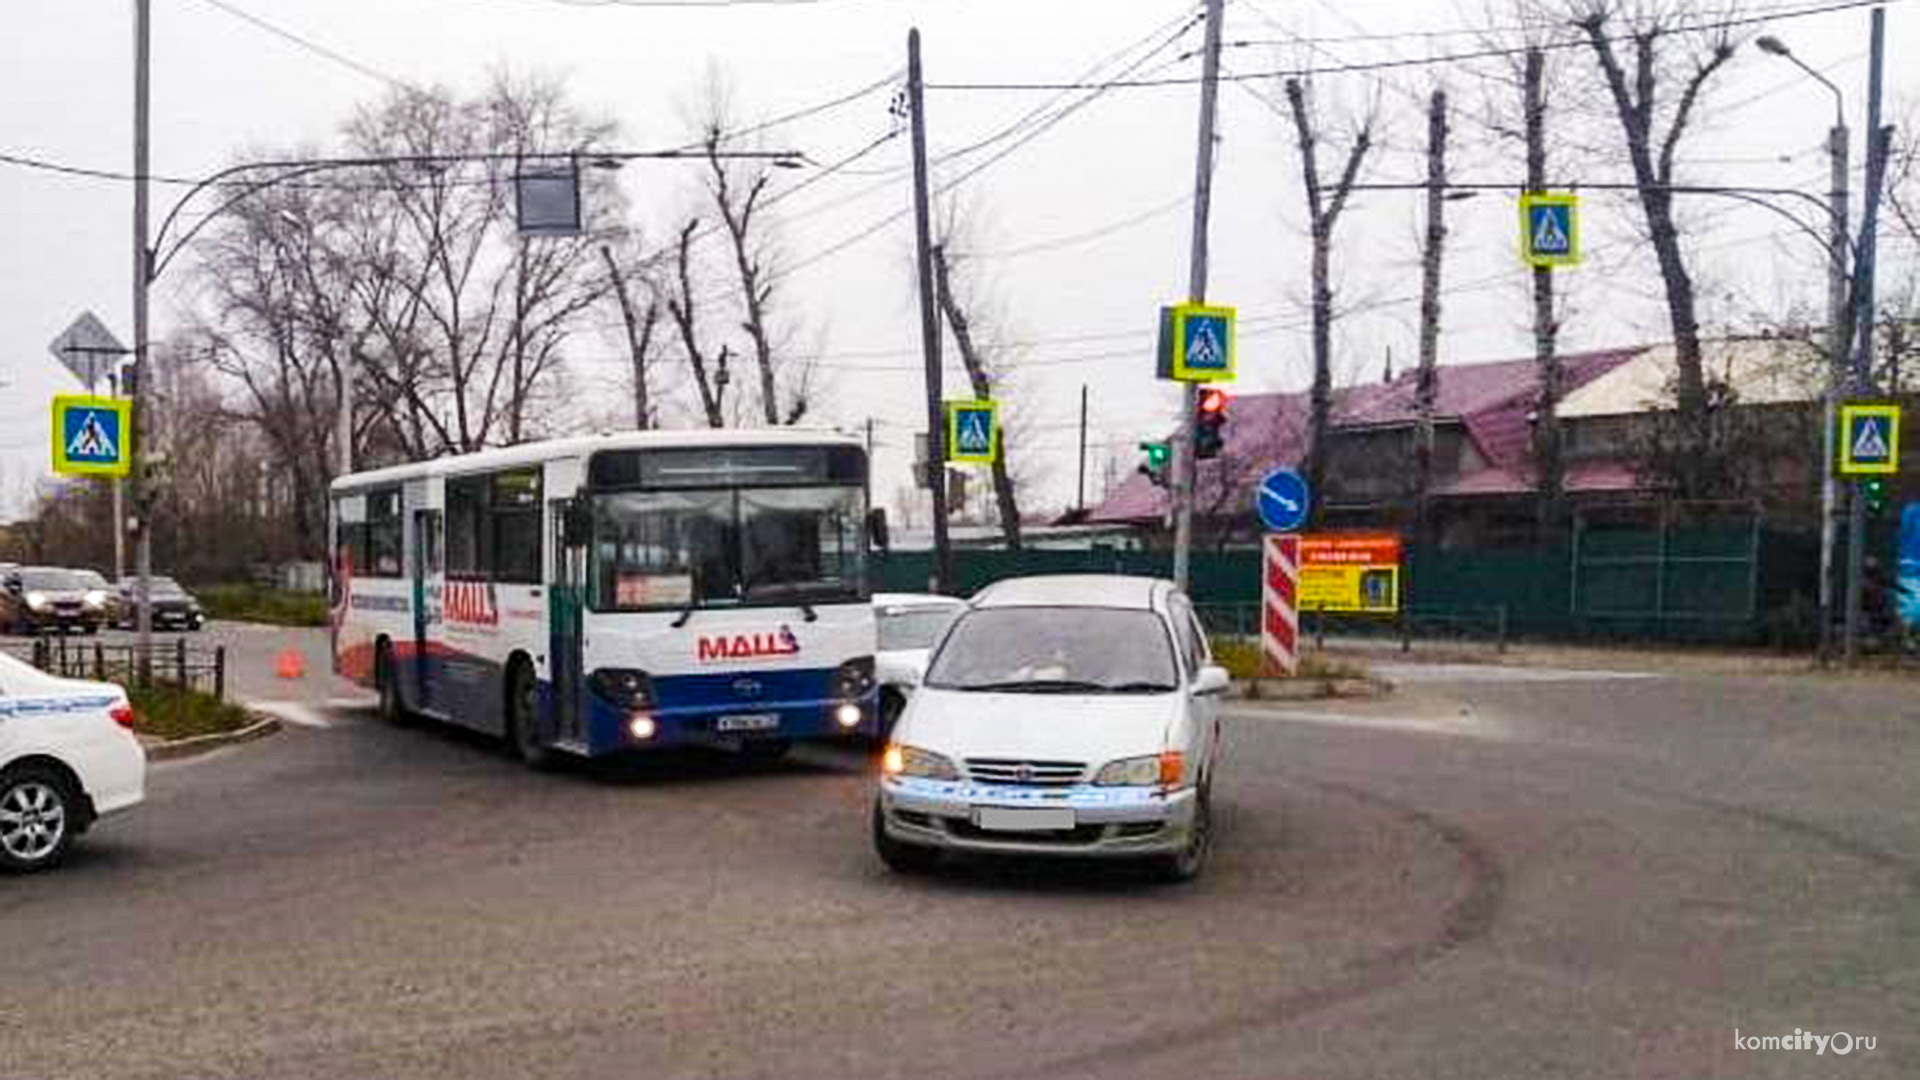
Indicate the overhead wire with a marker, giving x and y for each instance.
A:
(310, 45)
(1388, 65)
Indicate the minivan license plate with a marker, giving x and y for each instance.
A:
(1039, 819)
(748, 722)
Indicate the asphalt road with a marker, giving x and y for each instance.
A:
(1477, 877)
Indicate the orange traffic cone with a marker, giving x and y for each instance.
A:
(291, 665)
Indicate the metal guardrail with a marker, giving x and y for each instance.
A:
(1489, 624)
(172, 664)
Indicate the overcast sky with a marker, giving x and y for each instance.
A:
(1099, 193)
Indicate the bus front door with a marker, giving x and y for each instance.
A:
(566, 624)
(428, 573)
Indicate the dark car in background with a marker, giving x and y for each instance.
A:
(36, 599)
(173, 606)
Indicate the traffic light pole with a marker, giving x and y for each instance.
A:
(1185, 466)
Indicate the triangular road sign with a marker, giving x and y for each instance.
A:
(1869, 444)
(1549, 238)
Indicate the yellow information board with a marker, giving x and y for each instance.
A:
(1350, 572)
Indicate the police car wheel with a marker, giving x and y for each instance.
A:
(39, 816)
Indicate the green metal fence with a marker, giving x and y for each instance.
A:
(1720, 581)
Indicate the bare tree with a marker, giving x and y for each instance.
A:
(982, 380)
(640, 327)
(1659, 89)
(1324, 206)
(683, 305)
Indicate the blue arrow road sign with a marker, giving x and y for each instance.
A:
(1282, 500)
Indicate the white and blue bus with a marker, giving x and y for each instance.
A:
(613, 593)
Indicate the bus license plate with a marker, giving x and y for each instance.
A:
(1048, 819)
(748, 722)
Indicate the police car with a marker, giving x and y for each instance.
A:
(68, 756)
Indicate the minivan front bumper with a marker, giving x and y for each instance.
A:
(1109, 822)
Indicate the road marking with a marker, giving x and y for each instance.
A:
(1496, 673)
(1467, 724)
(292, 712)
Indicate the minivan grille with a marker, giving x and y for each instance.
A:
(1026, 773)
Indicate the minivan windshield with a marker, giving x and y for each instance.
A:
(914, 627)
(1056, 650)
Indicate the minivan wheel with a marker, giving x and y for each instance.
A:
(1186, 864)
(39, 815)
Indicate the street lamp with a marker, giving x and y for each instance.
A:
(1839, 329)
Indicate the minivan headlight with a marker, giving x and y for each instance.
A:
(1167, 770)
(903, 760)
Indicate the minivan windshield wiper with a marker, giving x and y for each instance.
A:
(1140, 688)
(1035, 686)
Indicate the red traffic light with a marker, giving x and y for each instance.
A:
(1213, 401)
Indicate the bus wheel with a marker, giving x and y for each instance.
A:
(523, 717)
(386, 681)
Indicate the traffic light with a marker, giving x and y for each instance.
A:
(1154, 467)
(1874, 491)
(1209, 417)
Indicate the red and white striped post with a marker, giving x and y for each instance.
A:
(1279, 603)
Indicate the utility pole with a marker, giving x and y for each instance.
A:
(142, 277)
(1546, 330)
(1080, 500)
(1839, 339)
(119, 486)
(1427, 387)
(1862, 381)
(1185, 468)
(929, 321)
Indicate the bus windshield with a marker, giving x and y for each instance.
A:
(743, 546)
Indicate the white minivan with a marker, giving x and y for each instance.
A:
(1072, 715)
(68, 757)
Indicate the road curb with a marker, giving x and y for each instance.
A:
(175, 749)
(1309, 689)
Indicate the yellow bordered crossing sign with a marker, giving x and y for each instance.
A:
(1197, 343)
(1869, 439)
(973, 432)
(1550, 229)
(92, 436)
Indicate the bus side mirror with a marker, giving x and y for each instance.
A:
(877, 529)
(577, 525)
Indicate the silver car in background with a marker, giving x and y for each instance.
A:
(1066, 716)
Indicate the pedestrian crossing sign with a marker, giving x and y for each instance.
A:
(1869, 439)
(91, 436)
(1550, 229)
(973, 432)
(1196, 343)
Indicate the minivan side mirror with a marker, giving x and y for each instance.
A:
(1212, 679)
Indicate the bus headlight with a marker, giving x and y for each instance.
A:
(623, 688)
(853, 680)
(848, 714)
(642, 727)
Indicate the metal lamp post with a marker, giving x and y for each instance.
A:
(1839, 331)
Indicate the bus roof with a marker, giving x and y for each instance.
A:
(582, 445)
